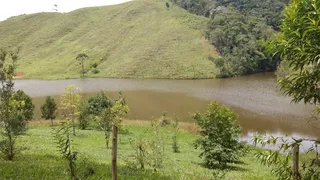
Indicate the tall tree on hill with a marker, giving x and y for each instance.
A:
(81, 57)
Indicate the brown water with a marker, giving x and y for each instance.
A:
(255, 98)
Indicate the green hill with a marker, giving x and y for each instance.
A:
(138, 39)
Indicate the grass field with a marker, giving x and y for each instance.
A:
(41, 159)
(138, 39)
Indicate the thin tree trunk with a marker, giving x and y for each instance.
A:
(295, 161)
(82, 69)
(106, 134)
(51, 122)
(73, 126)
(114, 152)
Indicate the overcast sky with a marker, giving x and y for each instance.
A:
(10, 8)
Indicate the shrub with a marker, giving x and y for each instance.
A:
(83, 115)
(175, 145)
(219, 135)
(48, 109)
(28, 107)
(99, 102)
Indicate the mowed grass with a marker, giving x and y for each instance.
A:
(41, 160)
(137, 39)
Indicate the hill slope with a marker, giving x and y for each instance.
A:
(138, 39)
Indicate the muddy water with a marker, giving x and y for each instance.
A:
(255, 98)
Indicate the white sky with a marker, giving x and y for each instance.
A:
(10, 8)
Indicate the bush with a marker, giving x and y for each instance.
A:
(83, 115)
(219, 136)
(99, 102)
(28, 107)
(149, 148)
(48, 109)
(95, 71)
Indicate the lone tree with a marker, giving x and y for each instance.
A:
(298, 45)
(48, 109)
(70, 100)
(81, 57)
(220, 135)
(12, 119)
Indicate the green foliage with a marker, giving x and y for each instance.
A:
(298, 44)
(43, 162)
(139, 159)
(81, 57)
(12, 116)
(238, 30)
(175, 126)
(149, 148)
(70, 100)
(106, 124)
(220, 135)
(94, 66)
(166, 48)
(62, 136)
(48, 109)
(84, 115)
(28, 107)
(119, 110)
(279, 164)
(99, 102)
(167, 4)
(279, 159)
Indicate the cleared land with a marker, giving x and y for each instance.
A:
(41, 159)
(138, 39)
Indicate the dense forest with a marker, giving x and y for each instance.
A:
(239, 30)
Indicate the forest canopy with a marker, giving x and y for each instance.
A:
(239, 30)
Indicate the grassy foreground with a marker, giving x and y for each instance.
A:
(137, 39)
(41, 159)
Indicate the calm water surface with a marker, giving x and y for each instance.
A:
(256, 98)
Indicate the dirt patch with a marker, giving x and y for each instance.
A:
(18, 76)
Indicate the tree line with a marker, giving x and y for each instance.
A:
(239, 30)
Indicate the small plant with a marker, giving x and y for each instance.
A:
(48, 109)
(217, 175)
(94, 66)
(164, 121)
(140, 157)
(70, 100)
(148, 152)
(175, 145)
(106, 124)
(62, 136)
(156, 145)
(83, 115)
(219, 136)
(65, 147)
(167, 4)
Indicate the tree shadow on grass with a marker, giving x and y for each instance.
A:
(228, 167)
(47, 166)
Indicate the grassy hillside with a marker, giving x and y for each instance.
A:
(138, 39)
